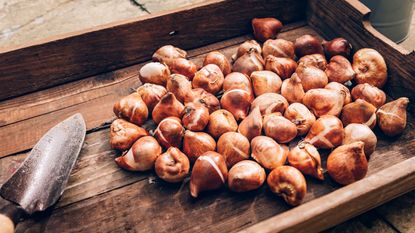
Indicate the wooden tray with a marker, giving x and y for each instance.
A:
(87, 71)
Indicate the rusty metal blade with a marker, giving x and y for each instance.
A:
(41, 178)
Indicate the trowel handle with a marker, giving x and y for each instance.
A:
(9, 217)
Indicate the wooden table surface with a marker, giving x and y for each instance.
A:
(23, 21)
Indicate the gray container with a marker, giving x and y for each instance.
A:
(392, 18)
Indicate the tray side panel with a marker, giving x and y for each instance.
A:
(78, 55)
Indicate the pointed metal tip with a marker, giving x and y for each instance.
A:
(78, 117)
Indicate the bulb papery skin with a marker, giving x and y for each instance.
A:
(392, 117)
(245, 176)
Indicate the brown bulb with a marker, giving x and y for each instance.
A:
(282, 66)
(169, 132)
(249, 45)
(339, 70)
(141, 156)
(217, 58)
(392, 116)
(151, 94)
(183, 66)
(324, 101)
(265, 81)
(220, 122)
(299, 114)
(289, 183)
(251, 126)
(197, 143)
(359, 132)
(307, 44)
(267, 152)
(347, 163)
(131, 108)
(180, 86)
(292, 89)
(337, 46)
(172, 166)
(237, 102)
(370, 93)
(201, 96)
(236, 80)
(210, 78)
(347, 98)
(327, 132)
(360, 112)
(209, 173)
(234, 147)
(123, 134)
(279, 128)
(266, 28)
(311, 77)
(168, 106)
(370, 67)
(317, 60)
(278, 48)
(155, 73)
(248, 63)
(306, 158)
(269, 103)
(246, 176)
(167, 53)
(195, 117)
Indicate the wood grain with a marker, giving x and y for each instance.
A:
(78, 55)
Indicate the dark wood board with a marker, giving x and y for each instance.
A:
(89, 52)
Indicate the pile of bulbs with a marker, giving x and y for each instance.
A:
(233, 120)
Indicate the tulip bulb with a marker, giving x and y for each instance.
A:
(289, 183)
(199, 95)
(169, 132)
(141, 156)
(249, 45)
(217, 58)
(282, 66)
(195, 117)
(311, 77)
(278, 48)
(251, 126)
(265, 82)
(131, 108)
(220, 122)
(327, 132)
(267, 152)
(360, 112)
(269, 103)
(360, 132)
(317, 60)
(209, 173)
(236, 80)
(167, 53)
(292, 89)
(237, 102)
(155, 73)
(279, 128)
(306, 45)
(172, 166)
(123, 134)
(306, 158)
(234, 147)
(339, 70)
(266, 28)
(370, 93)
(168, 106)
(299, 114)
(392, 116)
(347, 163)
(197, 143)
(347, 98)
(151, 94)
(245, 176)
(370, 67)
(337, 46)
(180, 86)
(248, 63)
(324, 101)
(210, 78)
(183, 67)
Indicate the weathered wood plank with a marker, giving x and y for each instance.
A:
(93, 97)
(78, 55)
